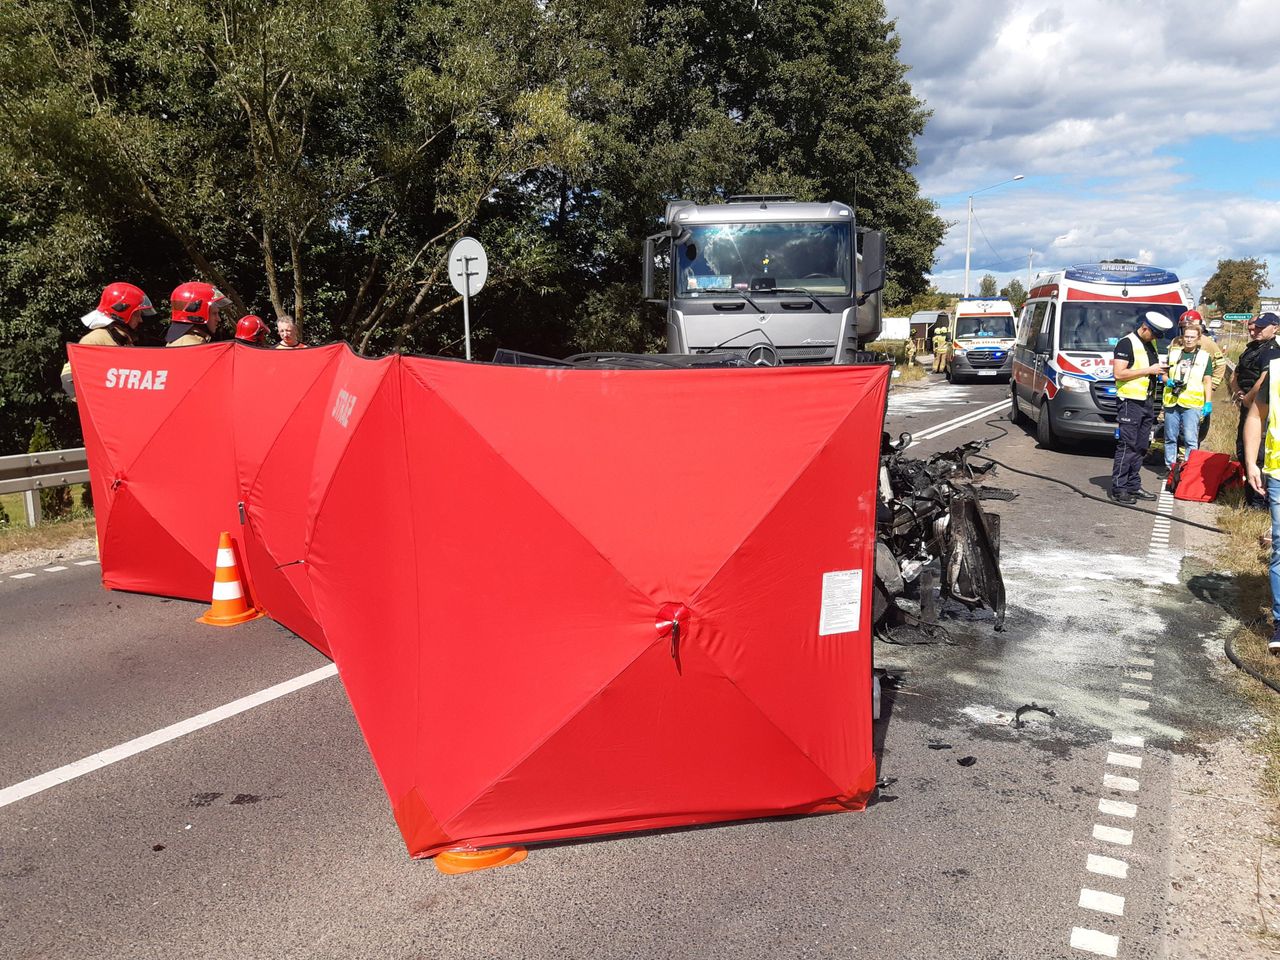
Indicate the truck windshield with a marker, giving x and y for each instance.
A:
(995, 326)
(1098, 327)
(759, 257)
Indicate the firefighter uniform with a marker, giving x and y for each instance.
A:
(112, 324)
(192, 338)
(940, 338)
(1136, 412)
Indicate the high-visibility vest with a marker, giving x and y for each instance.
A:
(1138, 388)
(1271, 465)
(1192, 395)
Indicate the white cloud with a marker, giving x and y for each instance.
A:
(1093, 102)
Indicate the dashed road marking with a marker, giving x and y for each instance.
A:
(1141, 662)
(1129, 703)
(1112, 782)
(20, 576)
(1124, 760)
(85, 563)
(1102, 901)
(1138, 674)
(1128, 740)
(1094, 941)
(1117, 808)
(53, 569)
(1121, 838)
(1135, 687)
(58, 568)
(1107, 867)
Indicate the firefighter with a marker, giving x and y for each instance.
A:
(287, 329)
(252, 330)
(114, 323)
(194, 311)
(1217, 358)
(1138, 369)
(1262, 437)
(941, 335)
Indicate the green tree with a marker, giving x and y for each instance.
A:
(1015, 293)
(988, 287)
(1235, 285)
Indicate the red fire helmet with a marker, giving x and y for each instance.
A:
(125, 302)
(251, 329)
(1191, 316)
(190, 302)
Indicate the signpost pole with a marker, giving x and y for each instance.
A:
(466, 302)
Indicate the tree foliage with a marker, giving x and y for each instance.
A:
(1236, 284)
(988, 287)
(319, 158)
(1015, 293)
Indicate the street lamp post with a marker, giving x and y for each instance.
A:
(968, 237)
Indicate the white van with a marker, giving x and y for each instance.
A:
(1067, 333)
(982, 339)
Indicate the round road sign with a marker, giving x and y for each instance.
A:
(468, 257)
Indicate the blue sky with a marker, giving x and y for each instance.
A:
(1149, 131)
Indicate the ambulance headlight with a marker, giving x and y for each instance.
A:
(1073, 384)
(960, 352)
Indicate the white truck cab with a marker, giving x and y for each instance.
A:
(1067, 335)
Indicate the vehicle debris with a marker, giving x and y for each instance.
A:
(1028, 707)
(967, 761)
(933, 540)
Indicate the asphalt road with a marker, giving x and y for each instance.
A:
(268, 834)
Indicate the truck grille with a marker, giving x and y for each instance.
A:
(787, 355)
(987, 359)
(1104, 395)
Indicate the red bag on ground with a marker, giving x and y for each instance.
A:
(1202, 474)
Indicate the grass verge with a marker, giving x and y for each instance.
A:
(1245, 552)
(49, 534)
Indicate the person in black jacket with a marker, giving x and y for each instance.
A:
(1249, 377)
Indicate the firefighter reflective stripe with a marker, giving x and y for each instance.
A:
(1271, 465)
(1138, 388)
(1192, 395)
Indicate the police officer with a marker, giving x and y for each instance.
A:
(194, 311)
(252, 330)
(114, 323)
(1137, 368)
(1249, 377)
(1265, 480)
(941, 336)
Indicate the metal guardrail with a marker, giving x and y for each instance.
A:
(29, 473)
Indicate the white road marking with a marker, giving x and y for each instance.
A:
(1139, 674)
(27, 788)
(1112, 782)
(1124, 760)
(1094, 941)
(1128, 740)
(1135, 687)
(85, 563)
(53, 569)
(20, 576)
(1130, 704)
(963, 421)
(1107, 867)
(1102, 902)
(1141, 662)
(1117, 808)
(1114, 835)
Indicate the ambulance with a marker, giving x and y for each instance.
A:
(982, 339)
(1068, 330)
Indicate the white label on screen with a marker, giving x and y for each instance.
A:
(841, 602)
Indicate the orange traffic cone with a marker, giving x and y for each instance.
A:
(228, 607)
(469, 859)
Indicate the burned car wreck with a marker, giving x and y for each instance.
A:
(933, 540)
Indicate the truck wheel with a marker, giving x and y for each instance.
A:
(1015, 412)
(1045, 436)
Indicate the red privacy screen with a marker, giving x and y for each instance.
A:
(563, 602)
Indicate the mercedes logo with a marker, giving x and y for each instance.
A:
(762, 355)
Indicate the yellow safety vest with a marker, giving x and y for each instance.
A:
(1138, 388)
(1192, 396)
(1271, 465)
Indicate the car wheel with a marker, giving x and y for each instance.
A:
(1015, 412)
(1045, 436)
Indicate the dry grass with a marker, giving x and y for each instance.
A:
(16, 535)
(910, 371)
